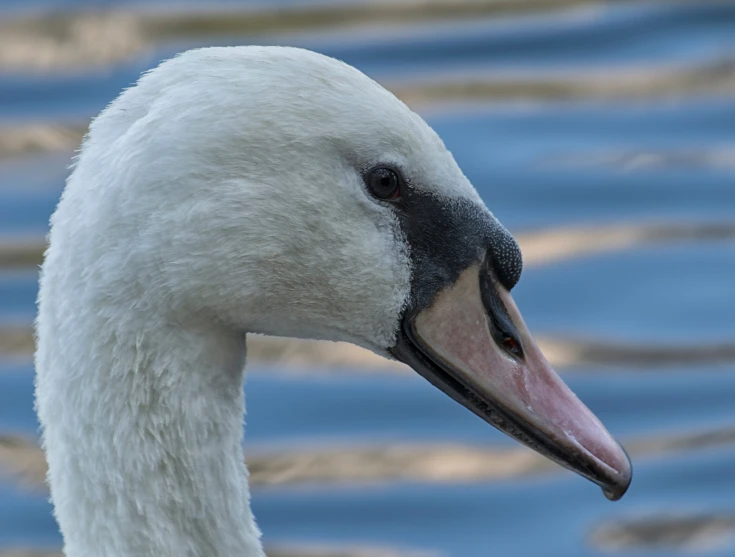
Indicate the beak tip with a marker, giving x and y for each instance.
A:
(614, 491)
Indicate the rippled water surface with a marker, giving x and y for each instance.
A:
(586, 117)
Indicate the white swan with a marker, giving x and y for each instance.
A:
(277, 191)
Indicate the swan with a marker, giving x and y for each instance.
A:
(269, 190)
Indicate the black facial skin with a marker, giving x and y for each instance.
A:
(448, 235)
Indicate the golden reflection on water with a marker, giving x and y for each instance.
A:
(22, 459)
(687, 533)
(311, 357)
(73, 41)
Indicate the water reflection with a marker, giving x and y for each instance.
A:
(600, 134)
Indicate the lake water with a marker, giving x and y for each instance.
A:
(619, 113)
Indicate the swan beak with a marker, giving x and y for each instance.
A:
(472, 343)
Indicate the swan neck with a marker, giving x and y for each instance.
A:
(143, 437)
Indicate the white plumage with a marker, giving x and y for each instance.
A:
(220, 195)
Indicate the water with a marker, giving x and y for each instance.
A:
(539, 162)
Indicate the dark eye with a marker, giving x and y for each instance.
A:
(384, 183)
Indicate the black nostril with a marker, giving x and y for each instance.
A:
(505, 336)
(502, 328)
(512, 346)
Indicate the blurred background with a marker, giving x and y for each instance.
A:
(601, 133)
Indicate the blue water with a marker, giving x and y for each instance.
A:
(521, 157)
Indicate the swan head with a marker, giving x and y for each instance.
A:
(282, 192)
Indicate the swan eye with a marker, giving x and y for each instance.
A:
(384, 183)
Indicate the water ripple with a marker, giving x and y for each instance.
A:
(80, 40)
